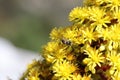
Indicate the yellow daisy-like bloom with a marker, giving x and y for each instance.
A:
(51, 46)
(33, 75)
(114, 73)
(114, 59)
(79, 38)
(112, 45)
(54, 51)
(57, 56)
(114, 4)
(76, 77)
(63, 70)
(89, 34)
(74, 34)
(33, 78)
(115, 45)
(85, 77)
(60, 54)
(109, 46)
(115, 33)
(69, 33)
(94, 58)
(105, 33)
(56, 33)
(78, 14)
(99, 17)
(79, 77)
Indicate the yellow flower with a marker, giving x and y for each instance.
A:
(79, 77)
(94, 58)
(74, 34)
(89, 34)
(56, 33)
(105, 33)
(85, 77)
(112, 45)
(70, 57)
(33, 74)
(114, 57)
(76, 77)
(99, 17)
(114, 4)
(33, 78)
(51, 46)
(69, 33)
(58, 52)
(114, 73)
(54, 51)
(63, 69)
(78, 14)
(115, 33)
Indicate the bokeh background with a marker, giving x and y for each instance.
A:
(27, 23)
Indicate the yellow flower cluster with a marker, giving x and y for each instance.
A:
(89, 49)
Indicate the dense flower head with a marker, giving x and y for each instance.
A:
(79, 14)
(94, 58)
(89, 49)
(63, 70)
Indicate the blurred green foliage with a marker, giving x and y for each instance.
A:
(28, 31)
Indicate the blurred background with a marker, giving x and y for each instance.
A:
(24, 27)
(27, 23)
